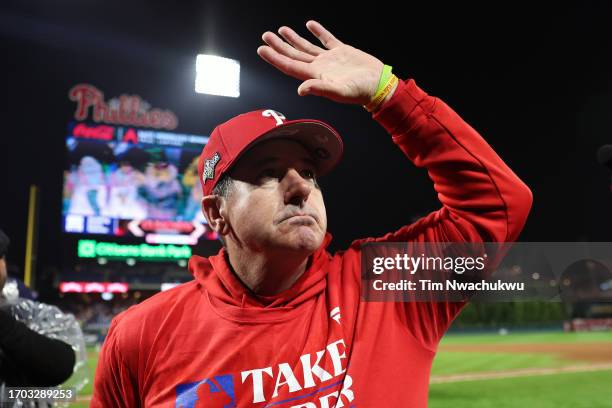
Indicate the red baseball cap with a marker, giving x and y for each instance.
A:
(229, 140)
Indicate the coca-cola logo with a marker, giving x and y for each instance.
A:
(100, 132)
(129, 110)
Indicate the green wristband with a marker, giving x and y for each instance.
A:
(384, 78)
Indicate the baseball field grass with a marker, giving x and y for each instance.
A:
(536, 370)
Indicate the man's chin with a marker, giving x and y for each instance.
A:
(303, 239)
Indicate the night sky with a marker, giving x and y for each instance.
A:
(537, 84)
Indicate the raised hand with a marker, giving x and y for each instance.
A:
(338, 71)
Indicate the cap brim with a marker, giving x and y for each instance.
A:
(320, 139)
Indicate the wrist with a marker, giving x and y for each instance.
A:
(389, 96)
(386, 86)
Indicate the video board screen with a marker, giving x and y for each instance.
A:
(126, 181)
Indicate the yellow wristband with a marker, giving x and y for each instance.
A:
(381, 94)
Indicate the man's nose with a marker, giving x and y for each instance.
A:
(296, 188)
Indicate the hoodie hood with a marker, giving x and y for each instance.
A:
(226, 291)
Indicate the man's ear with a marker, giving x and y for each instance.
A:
(3, 272)
(215, 211)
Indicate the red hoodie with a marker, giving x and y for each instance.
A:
(211, 343)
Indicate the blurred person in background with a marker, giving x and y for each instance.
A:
(39, 344)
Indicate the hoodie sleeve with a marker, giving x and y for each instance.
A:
(114, 383)
(482, 199)
(29, 358)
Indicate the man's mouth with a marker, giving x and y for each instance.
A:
(300, 218)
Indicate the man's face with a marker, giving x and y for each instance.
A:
(275, 203)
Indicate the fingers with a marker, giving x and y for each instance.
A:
(294, 56)
(283, 48)
(297, 69)
(326, 38)
(298, 42)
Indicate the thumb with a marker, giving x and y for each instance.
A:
(315, 87)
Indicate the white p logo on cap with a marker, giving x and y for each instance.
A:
(279, 117)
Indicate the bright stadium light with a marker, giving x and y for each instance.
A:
(217, 76)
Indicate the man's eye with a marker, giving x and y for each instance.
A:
(267, 173)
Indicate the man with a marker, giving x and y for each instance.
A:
(28, 358)
(274, 319)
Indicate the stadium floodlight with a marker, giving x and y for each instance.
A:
(217, 76)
